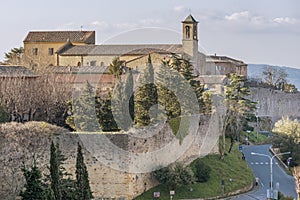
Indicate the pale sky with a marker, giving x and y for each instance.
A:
(255, 31)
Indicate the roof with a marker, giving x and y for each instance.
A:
(15, 71)
(129, 49)
(77, 70)
(222, 59)
(189, 19)
(61, 36)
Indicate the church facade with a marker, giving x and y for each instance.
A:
(78, 48)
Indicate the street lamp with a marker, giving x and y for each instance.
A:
(271, 166)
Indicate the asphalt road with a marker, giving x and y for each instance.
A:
(261, 169)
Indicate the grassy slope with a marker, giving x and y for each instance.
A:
(232, 167)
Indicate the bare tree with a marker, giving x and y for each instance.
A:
(275, 77)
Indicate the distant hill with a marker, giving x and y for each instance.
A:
(255, 71)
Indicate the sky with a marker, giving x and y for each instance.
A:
(255, 31)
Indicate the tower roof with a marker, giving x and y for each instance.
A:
(189, 19)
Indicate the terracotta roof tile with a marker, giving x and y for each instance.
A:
(61, 36)
(122, 49)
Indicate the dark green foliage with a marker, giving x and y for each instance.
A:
(116, 68)
(55, 172)
(238, 107)
(14, 57)
(288, 143)
(175, 175)
(62, 187)
(167, 91)
(201, 171)
(104, 114)
(3, 115)
(83, 190)
(33, 188)
(122, 102)
(282, 197)
(146, 97)
(82, 111)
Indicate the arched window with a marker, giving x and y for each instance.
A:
(187, 31)
(79, 64)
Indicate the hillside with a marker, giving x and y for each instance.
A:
(255, 71)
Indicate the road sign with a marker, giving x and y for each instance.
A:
(223, 182)
(172, 192)
(240, 147)
(156, 194)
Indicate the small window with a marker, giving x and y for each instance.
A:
(93, 63)
(50, 51)
(35, 51)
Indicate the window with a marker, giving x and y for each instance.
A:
(35, 51)
(187, 32)
(93, 63)
(50, 51)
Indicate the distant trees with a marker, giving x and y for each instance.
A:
(40, 98)
(274, 77)
(3, 115)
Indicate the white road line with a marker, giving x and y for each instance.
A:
(256, 163)
(261, 163)
(266, 163)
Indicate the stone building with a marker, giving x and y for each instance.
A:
(41, 47)
(78, 48)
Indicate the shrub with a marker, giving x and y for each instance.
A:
(202, 171)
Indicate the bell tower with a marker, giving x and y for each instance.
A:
(190, 40)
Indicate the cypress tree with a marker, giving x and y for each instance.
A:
(82, 111)
(146, 97)
(34, 188)
(83, 189)
(54, 172)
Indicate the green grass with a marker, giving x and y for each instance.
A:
(232, 167)
(252, 137)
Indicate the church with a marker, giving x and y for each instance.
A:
(78, 48)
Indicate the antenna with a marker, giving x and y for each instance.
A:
(190, 11)
(81, 27)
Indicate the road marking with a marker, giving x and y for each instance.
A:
(266, 163)
(256, 163)
(261, 163)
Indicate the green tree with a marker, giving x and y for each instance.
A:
(175, 175)
(104, 114)
(61, 184)
(83, 189)
(166, 90)
(122, 102)
(14, 57)
(34, 187)
(201, 171)
(82, 116)
(238, 107)
(288, 127)
(146, 97)
(3, 115)
(116, 67)
(55, 172)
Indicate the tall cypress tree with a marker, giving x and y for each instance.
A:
(34, 188)
(82, 111)
(83, 189)
(146, 97)
(54, 172)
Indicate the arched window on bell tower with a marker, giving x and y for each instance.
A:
(187, 32)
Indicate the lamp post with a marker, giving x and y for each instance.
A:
(271, 167)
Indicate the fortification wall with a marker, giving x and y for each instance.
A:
(275, 104)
